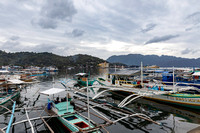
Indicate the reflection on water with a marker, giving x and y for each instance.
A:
(173, 119)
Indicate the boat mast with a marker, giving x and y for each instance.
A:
(67, 98)
(88, 102)
(141, 74)
(173, 80)
(53, 86)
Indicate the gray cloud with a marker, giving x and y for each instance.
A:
(44, 22)
(193, 18)
(59, 9)
(45, 47)
(10, 46)
(161, 39)
(14, 38)
(148, 27)
(54, 11)
(77, 32)
(188, 51)
(99, 23)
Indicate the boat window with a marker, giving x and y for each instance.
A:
(81, 124)
(71, 118)
(129, 82)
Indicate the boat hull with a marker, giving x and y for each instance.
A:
(189, 102)
(7, 98)
(69, 120)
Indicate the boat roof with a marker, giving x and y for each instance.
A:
(52, 91)
(196, 74)
(125, 72)
(80, 74)
(16, 81)
(4, 71)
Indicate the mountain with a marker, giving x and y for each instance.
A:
(47, 59)
(163, 61)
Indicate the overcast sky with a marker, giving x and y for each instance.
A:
(101, 28)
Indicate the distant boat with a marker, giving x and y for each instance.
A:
(183, 79)
(82, 79)
(190, 99)
(72, 121)
(123, 78)
(183, 99)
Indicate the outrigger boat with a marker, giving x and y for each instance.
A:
(81, 79)
(177, 98)
(184, 96)
(123, 78)
(10, 90)
(72, 121)
(190, 97)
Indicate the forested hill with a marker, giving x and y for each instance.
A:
(47, 59)
(163, 61)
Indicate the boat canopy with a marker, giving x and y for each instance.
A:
(15, 81)
(126, 72)
(4, 71)
(52, 91)
(196, 74)
(80, 74)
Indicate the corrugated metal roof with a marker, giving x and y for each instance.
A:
(125, 72)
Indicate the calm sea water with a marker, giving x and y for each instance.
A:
(173, 119)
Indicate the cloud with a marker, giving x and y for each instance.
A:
(193, 18)
(54, 11)
(77, 32)
(14, 38)
(59, 9)
(44, 47)
(161, 39)
(98, 23)
(10, 45)
(188, 51)
(44, 22)
(148, 27)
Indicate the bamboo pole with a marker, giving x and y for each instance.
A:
(105, 129)
(11, 118)
(32, 119)
(2, 130)
(101, 115)
(32, 129)
(6, 109)
(45, 123)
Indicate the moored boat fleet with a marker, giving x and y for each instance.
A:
(165, 86)
(155, 84)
